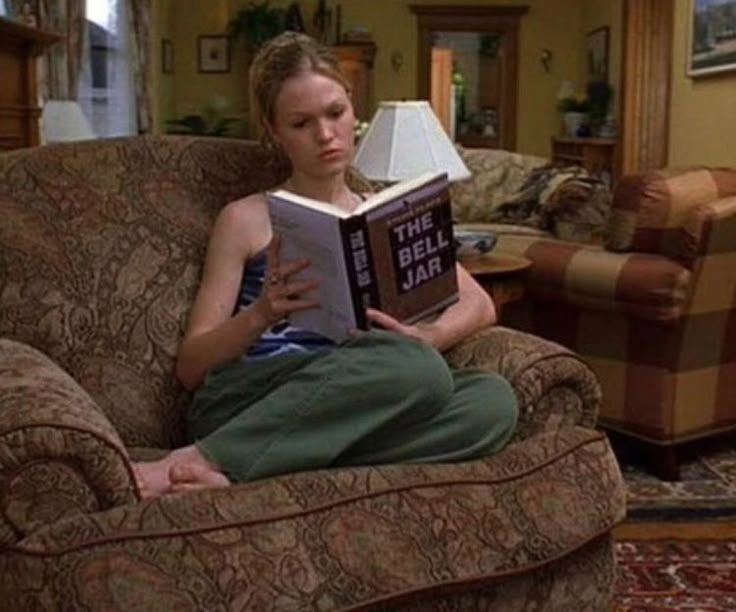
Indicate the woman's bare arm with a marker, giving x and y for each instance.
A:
(214, 336)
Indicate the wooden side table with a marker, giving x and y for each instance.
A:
(596, 155)
(500, 274)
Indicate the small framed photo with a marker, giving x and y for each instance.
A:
(167, 56)
(711, 37)
(213, 54)
(596, 52)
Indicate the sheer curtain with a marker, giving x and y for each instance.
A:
(106, 80)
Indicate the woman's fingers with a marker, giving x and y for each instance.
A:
(292, 267)
(301, 304)
(384, 320)
(298, 287)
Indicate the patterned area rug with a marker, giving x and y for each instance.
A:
(669, 575)
(706, 490)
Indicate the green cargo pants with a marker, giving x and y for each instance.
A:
(378, 398)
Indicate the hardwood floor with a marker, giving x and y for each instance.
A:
(725, 530)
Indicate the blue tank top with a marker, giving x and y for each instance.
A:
(282, 337)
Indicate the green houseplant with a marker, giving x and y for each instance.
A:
(211, 122)
(257, 23)
(573, 104)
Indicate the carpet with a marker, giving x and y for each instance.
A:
(706, 490)
(674, 575)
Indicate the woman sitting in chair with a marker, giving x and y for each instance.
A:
(271, 398)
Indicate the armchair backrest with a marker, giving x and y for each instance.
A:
(101, 245)
(495, 176)
(650, 211)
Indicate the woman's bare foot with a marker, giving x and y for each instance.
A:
(152, 477)
(195, 476)
(184, 469)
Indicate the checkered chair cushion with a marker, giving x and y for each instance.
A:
(649, 210)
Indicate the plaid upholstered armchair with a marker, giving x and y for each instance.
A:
(100, 251)
(652, 309)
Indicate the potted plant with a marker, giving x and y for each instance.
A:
(574, 109)
(600, 94)
(257, 23)
(210, 123)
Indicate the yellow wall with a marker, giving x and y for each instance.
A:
(554, 25)
(558, 25)
(161, 84)
(599, 13)
(702, 111)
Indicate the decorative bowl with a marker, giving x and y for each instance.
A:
(473, 243)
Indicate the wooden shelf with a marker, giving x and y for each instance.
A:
(20, 45)
(596, 155)
(478, 140)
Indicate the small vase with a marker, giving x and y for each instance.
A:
(573, 122)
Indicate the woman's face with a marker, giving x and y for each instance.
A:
(313, 123)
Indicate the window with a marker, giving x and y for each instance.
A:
(106, 90)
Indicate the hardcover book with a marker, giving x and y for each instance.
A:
(394, 252)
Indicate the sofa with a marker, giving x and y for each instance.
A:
(101, 245)
(645, 293)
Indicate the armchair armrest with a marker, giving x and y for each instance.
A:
(59, 454)
(554, 386)
(709, 228)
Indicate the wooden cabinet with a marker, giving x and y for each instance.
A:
(19, 111)
(356, 63)
(596, 155)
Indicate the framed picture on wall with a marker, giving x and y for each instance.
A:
(213, 54)
(167, 56)
(596, 55)
(712, 37)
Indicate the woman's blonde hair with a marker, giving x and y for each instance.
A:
(282, 58)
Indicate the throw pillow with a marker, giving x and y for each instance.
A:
(565, 200)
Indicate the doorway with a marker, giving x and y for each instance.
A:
(468, 69)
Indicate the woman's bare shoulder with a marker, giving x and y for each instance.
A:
(247, 220)
(246, 209)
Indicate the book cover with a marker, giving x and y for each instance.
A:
(394, 252)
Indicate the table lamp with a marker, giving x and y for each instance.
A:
(64, 121)
(404, 140)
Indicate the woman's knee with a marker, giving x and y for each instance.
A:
(411, 366)
(495, 413)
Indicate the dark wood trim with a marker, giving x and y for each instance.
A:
(468, 10)
(462, 18)
(357, 52)
(16, 34)
(20, 46)
(646, 82)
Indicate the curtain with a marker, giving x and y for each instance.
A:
(140, 32)
(59, 69)
(106, 89)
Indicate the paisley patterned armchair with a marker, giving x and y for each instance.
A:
(100, 250)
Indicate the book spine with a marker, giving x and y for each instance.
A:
(359, 263)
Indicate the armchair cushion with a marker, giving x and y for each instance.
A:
(641, 285)
(649, 210)
(361, 538)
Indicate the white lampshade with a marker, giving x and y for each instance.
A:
(404, 140)
(64, 121)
